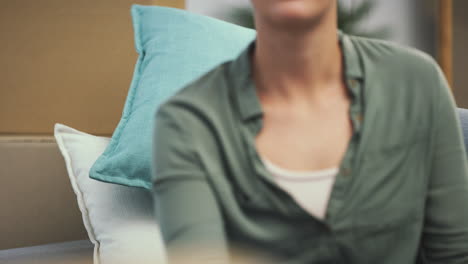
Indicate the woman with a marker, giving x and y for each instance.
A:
(313, 147)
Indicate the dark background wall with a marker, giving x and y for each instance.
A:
(461, 52)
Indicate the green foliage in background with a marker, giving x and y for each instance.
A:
(348, 19)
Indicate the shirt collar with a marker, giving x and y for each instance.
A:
(245, 91)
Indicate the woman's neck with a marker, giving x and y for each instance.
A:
(297, 62)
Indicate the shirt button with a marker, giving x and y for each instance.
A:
(346, 171)
(359, 117)
(353, 83)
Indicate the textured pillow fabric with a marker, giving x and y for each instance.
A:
(119, 219)
(175, 48)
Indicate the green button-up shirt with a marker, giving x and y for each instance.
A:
(401, 194)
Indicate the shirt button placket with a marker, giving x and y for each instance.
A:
(337, 198)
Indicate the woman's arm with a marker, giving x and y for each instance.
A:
(445, 233)
(184, 203)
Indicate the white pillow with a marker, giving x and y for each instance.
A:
(119, 219)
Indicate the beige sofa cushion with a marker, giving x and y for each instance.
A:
(37, 203)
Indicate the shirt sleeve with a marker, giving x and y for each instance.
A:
(445, 232)
(184, 203)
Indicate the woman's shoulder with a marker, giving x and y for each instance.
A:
(402, 84)
(397, 71)
(384, 55)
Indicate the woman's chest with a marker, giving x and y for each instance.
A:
(304, 142)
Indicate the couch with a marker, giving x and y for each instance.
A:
(40, 221)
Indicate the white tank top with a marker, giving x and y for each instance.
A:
(310, 189)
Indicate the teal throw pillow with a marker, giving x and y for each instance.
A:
(175, 47)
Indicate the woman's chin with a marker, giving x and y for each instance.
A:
(291, 9)
(293, 13)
